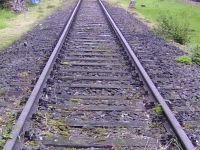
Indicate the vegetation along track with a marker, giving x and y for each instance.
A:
(94, 94)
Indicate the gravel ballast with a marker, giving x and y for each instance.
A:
(22, 62)
(177, 82)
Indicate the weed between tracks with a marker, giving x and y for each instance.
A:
(54, 126)
(32, 143)
(65, 63)
(100, 132)
(47, 134)
(23, 74)
(70, 149)
(75, 100)
(84, 118)
(157, 109)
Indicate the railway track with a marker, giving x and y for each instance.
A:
(94, 94)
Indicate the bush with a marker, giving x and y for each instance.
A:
(196, 55)
(3, 3)
(184, 59)
(14, 5)
(169, 26)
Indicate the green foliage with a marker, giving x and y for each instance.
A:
(64, 133)
(3, 25)
(157, 109)
(55, 123)
(171, 27)
(47, 134)
(3, 3)
(184, 59)
(5, 14)
(196, 54)
(5, 133)
(32, 143)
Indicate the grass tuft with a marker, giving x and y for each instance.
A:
(65, 63)
(63, 133)
(32, 143)
(184, 59)
(75, 100)
(196, 55)
(5, 15)
(157, 109)
(84, 118)
(47, 134)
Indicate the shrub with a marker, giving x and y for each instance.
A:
(14, 5)
(169, 26)
(184, 59)
(4, 3)
(196, 54)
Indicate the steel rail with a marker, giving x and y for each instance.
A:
(11, 144)
(173, 121)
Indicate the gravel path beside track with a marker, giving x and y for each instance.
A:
(178, 83)
(23, 61)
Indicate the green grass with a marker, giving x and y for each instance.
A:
(184, 59)
(195, 55)
(14, 25)
(154, 8)
(157, 109)
(4, 16)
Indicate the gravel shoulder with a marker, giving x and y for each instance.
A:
(177, 82)
(23, 61)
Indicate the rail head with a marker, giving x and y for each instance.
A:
(18, 127)
(186, 142)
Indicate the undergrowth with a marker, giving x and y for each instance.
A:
(170, 27)
(194, 57)
(196, 54)
(5, 14)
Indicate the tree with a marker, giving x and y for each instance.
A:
(15, 5)
(3, 3)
